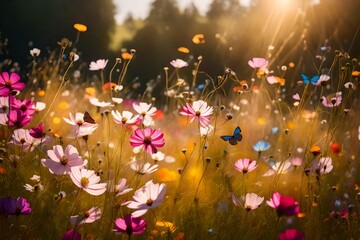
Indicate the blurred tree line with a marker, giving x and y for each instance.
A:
(282, 32)
(36, 23)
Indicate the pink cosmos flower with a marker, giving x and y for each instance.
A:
(323, 166)
(87, 180)
(146, 111)
(14, 206)
(250, 202)
(61, 162)
(122, 188)
(198, 110)
(284, 205)
(9, 83)
(21, 137)
(89, 216)
(4, 104)
(72, 234)
(130, 225)
(147, 197)
(245, 165)
(26, 106)
(148, 139)
(98, 65)
(291, 234)
(332, 100)
(142, 169)
(260, 63)
(124, 118)
(81, 127)
(322, 79)
(179, 63)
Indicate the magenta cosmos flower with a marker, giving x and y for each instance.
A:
(9, 83)
(147, 197)
(148, 139)
(130, 225)
(26, 106)
(14, 206)
(291, 234)
(61, 161)
(245, 165)
(18, 119)
(198, 110)
(72, 234)
(87, 180)
(284, 205)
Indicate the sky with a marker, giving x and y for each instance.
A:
(140, 8)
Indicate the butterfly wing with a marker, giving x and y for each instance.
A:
(226, 138)
(314, 79)
(233, 140)
(88, 118)
(237, 134)
(305, 78)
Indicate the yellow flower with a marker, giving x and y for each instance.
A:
(80, 27)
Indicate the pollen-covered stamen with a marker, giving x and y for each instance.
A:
(245, 170)
(147, 140)
(7, 84)
(124, 120)
(149, 202)
(64, 160)
(23, 108)
(86, 214)
(84, 182)
(198, 113)
(79, 122)
(22, 140)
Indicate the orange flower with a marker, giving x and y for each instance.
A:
(80, 27)
(315, 150)
(355, 73)
(198, 38)
(183, 50)
(126, 56)
(108, 86)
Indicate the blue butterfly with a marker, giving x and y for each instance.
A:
(235, 138)
(314, 79)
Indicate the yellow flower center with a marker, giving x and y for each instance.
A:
(149, 202)
(64, 160)
(84, 182)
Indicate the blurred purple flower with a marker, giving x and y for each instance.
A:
(284, 205)
(130, 225)
(14, 206)
(291, 234)
(71, 235)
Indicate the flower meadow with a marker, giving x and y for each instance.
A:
(269, 155)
